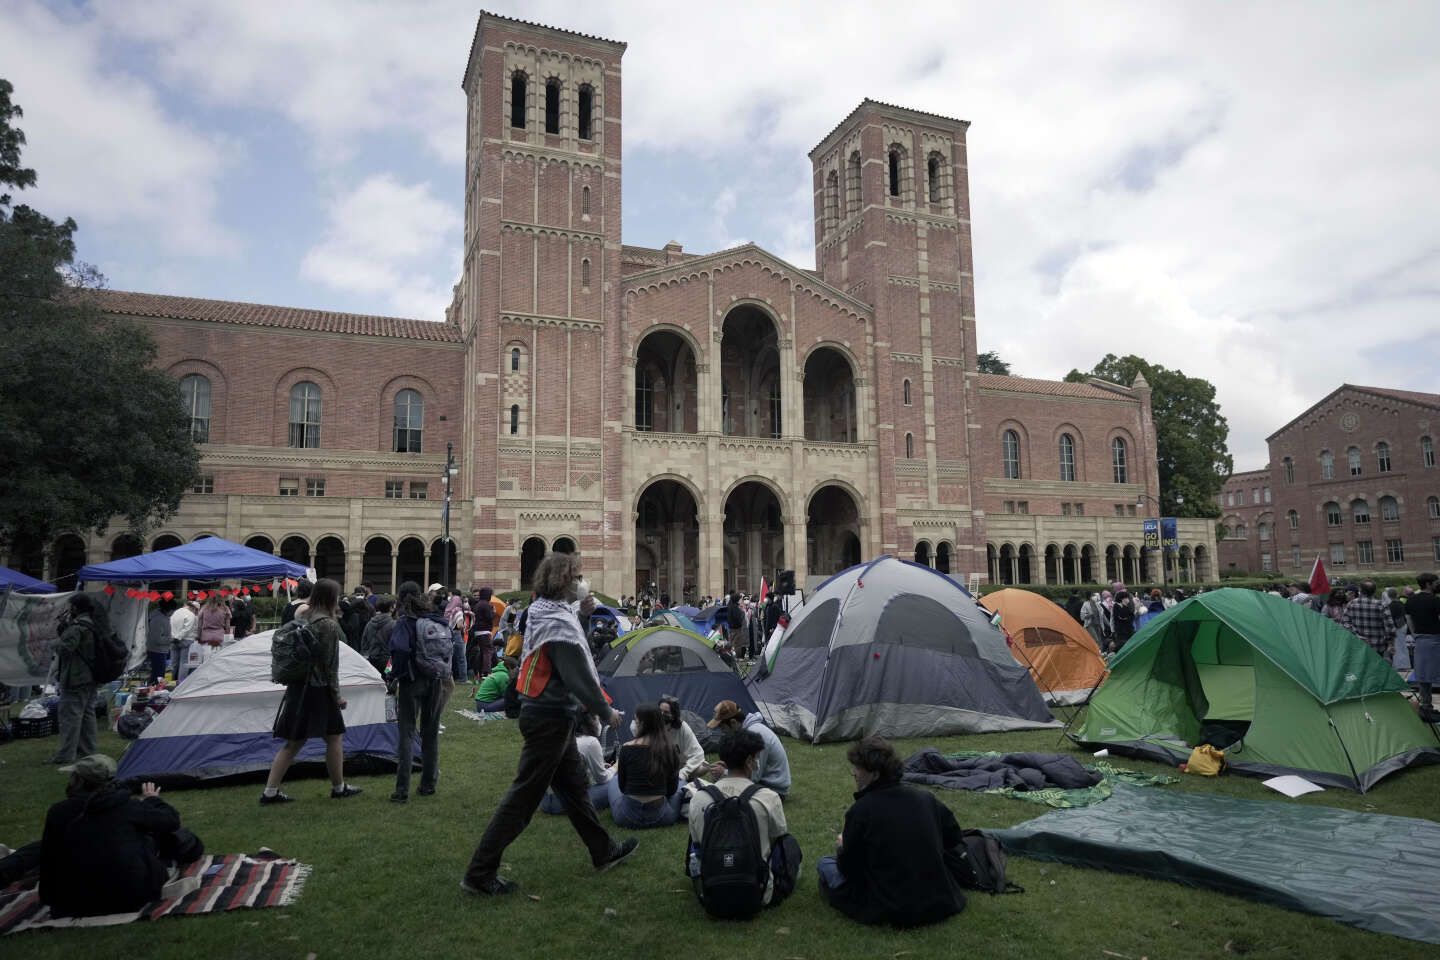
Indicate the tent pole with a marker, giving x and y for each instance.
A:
(1065, 731)
(1345, 750)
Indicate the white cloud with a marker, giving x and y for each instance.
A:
(105, 151)
(392, 241)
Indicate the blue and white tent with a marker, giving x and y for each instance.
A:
(20, 583)
(219, 720)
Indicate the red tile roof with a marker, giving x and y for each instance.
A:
(1049, 388)
(262, 315)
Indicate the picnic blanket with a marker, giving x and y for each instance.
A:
(1050, 779)
(1367, 870)
(230, 882)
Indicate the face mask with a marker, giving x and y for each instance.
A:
(579, 590)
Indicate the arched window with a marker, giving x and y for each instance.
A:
(1294, 519)
(1289, 470)
(932, 177)
(1382, 456)
(1010, 454)
(852, 183)
(584, 201)
(1432, 506)
(1067, 457)
(1263, 529)
(305, 415)
(1119, 461)
(905, 391)
(1333, 516)
(514, 359)
(585, 272)
(514, 418)
(1389, 509)
(552, 105)
(585, 121)
(409, 420)
(518, 92)
(909, 446)
(195, 395)
(1238, 532)
(1352, 456)
(644, 400)
(894, 169)
(1427, 452)
(1327, 465)
(832, 200)
(1360, 511)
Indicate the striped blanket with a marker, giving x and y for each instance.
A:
(230, 882)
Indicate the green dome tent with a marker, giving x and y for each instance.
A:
(1308, 696)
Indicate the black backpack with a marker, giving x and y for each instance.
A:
(292, 653)
(110, 656)
(732, 872)
(979, 864)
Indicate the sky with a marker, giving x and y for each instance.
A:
(1248, 193)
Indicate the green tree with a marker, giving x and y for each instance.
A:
(990, 362)
(1190, 433)
(89, 431)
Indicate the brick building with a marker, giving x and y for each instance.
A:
(692, 421)
(1354, 479)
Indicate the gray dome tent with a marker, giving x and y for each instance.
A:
(893, 648)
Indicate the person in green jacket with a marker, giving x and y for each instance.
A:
(490, 697)
(74, 650)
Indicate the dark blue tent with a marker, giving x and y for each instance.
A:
(208, 559)
(654, 661)
(17, 581)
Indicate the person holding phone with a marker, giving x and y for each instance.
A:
(557, 676)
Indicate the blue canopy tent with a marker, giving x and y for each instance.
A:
(209, 559)
(674, 618)
(17, 581)
(622, 622)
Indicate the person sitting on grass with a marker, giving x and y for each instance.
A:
(105, 850)
(692, 755)
(592, 758)
(490, 696)
(646, 790)
(892, 864)
(740, 752)
(774, 766)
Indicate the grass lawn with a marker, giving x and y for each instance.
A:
(385, 878)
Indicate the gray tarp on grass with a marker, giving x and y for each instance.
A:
(1370, 871)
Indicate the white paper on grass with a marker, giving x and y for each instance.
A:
(1292, 786)
(1102, 753)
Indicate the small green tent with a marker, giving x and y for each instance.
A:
(1308, 696)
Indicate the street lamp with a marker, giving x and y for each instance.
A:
(448, 480)
(1140, 499)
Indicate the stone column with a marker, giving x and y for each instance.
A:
(754, 558)
(712, 553)
(675, 557)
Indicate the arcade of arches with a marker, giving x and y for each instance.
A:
(1068, 564)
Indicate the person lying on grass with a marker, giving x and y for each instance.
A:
(891, 863)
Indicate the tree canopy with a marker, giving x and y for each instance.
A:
(990, 362)
(1190, 433)
(89, 430)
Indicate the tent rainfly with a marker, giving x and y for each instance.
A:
(645, 664)
(1307, 696)
(893, 648)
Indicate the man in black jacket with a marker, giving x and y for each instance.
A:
(893, 862)
(105, 851)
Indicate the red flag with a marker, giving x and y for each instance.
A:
(168, 595)
(1319, 583)
(763, 589)
(109, 590)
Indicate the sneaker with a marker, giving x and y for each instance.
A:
(494, 887)
(266, 801)
(399, 797)
(343, 792)
(426, 791)
(618, 854)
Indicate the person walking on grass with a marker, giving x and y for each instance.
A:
(84, 623)
(418, 633)
(313, 707)
(557, 676)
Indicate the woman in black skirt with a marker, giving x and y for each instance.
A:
(312, 708)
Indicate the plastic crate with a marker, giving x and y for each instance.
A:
(24, 729)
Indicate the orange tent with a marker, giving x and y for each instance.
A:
(1060, 655)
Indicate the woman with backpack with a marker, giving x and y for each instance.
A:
(646, 790)
(312, 707)
(81, 627)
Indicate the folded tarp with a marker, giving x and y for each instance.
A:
(1021, 771)
(1370, 871)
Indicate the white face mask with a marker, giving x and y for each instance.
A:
(579, 590)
